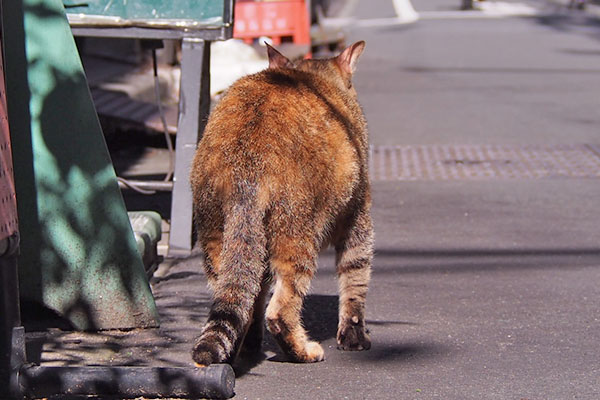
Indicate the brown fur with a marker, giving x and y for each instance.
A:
(280, 172)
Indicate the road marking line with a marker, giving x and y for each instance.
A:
(407, 15)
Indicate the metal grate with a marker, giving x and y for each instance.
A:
(483, 162)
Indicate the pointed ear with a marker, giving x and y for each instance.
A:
(349, 57)
(276, 59)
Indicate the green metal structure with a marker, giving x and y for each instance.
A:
(78, 253)
(192, 11)
(152, 19)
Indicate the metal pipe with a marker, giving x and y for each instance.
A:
(214, 382)
(146, 185)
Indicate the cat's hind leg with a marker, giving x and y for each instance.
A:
(354, 254)
(292, 275)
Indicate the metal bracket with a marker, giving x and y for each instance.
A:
(18, 358)
(194, 105)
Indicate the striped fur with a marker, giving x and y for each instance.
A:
(281, 171)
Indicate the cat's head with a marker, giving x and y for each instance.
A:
(337, 69)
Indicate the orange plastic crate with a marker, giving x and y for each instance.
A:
(275, 19)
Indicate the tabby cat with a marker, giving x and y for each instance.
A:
(281, 172)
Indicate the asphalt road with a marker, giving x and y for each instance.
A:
(484, 287)
(511, 80)
(486, 180)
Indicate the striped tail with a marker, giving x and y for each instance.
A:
(239, 280)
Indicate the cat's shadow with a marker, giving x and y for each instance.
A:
(320, 318)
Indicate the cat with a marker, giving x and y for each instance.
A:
(281, 172)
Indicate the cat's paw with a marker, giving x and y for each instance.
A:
(313, 352)
(295, 346)
(353, 336)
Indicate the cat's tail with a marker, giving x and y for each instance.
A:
(240, 274)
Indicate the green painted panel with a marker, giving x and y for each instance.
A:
(195, 10)
(78, 252)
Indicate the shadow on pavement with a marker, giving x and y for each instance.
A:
(319, 316)
(404, 261)
(568, 22)
(382, 352)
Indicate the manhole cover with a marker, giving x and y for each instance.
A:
(456, 162)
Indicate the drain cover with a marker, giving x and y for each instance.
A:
(485, 162)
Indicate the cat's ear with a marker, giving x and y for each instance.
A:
(349, 57)
(276, 59)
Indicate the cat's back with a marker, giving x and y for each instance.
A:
(274, 102)
(279, 121)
